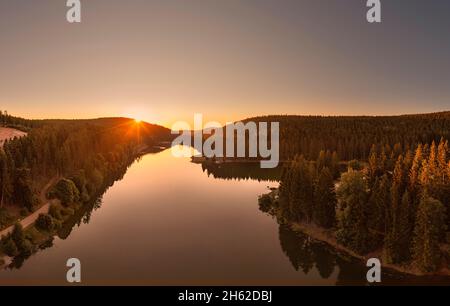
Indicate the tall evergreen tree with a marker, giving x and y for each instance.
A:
(353, 231)
(428, 232)
(324, 212)
(398, 239)
(379, 208)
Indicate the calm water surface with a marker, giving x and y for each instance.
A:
(170, 223)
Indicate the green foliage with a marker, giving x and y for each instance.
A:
(324, 212)
(67, 211)
(353, 137)
(55, 212)
(96, 180)
(354, 165)
(297, 190)
(379, 204)
(18, 234)
(9, 247)
(24, 212)
(17, 243)
(91, 152)
(26, 248)
(23, 190)
(45, 223)
(66, 191)
(265, 202)
(81, 182)
(399, 237)
(5, 218)
(428, 232)
(33, 235)
(353, 231)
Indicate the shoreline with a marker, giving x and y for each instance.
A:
(328, 236)
(29, 220)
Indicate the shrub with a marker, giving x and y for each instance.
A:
(33, 235)
(18, 235)
(9, 247)
(265, 203)
(55, 212)
(353, 231)
(355, 165)
(66, 191)
(95, 182)
(24, 212)
(23, 190)
(45, 222)
(26, 248)
(5, 217)
(80, 182)
(67, 211)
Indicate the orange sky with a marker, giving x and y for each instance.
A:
(163, 61)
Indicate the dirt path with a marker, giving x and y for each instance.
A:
(30, 219)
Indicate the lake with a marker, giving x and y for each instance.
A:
(173, 222)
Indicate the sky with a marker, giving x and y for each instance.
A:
(164, 60)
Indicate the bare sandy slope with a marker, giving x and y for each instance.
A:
(8, 133)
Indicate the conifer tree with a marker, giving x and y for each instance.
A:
(373, 165)
(398, 239)
(413, 178)
(334, 168)
(428, 232)
(324, 211)
(302, 190)
(379, 207)
(353, 231)
(442, 161)
(321, 161)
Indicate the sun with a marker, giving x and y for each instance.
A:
(137, 120)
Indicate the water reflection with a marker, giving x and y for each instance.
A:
(242, 171)
(305, 254)
(172, 222)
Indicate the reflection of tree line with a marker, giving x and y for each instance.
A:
(305, 254)
(83, 215)
(241, 171)
(80, 216)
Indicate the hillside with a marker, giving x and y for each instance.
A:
(91, 152)
(352, 137)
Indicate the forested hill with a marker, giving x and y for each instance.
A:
(88, 151)
(147, 131)
(153, 131)
(352, 137)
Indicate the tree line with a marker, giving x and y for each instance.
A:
(85, 150)
(352, 137)
(397, 203)
(22, 124)
(83, 157)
